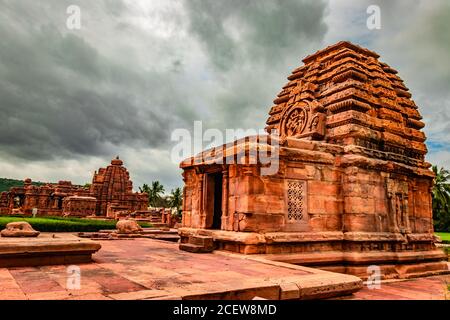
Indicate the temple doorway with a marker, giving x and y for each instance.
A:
(214, 200)
(18, 201)
(60, 202)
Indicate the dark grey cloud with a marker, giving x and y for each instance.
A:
(135, 71)
(71, 99)
(253, 46)
(63, 96)
(239, 31)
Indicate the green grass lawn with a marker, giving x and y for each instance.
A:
(445, 236)
(60, 224)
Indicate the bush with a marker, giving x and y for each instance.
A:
(441, 220)
(60, 224)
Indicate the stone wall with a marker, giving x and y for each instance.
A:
(111, 185)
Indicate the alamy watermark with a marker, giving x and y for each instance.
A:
(374, 279)
(73, 281)
(257, 147)
(73, 21)
(373, 22)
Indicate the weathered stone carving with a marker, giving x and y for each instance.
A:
(296, 200)
(303, 120)
(19, 229)
(128, 227)
(397, 194)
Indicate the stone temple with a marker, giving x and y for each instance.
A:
(110, 193)
(352, 187)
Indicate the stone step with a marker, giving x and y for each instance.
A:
(159, 231)
(189, 247)
(171, 238)
(159, 224)
(203, 241)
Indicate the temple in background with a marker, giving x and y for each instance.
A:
(111, 192)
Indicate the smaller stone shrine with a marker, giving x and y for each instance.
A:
(111, 192)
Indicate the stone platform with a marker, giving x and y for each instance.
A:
(47, 249)
(165, 234)
(153, 269)
(327, 251)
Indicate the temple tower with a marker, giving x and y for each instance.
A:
(110, 186)
(352, 188)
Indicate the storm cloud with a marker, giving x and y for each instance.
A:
(70, 100)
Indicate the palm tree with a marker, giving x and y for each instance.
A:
(145, 188)
(155, 193)
(441, 199)
(176, 199)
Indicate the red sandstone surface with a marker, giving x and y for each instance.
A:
(151, 269)
(148, 269)
(110, 193)
(428, 288)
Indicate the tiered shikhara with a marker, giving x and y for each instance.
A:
(344, 95)
(352, 188)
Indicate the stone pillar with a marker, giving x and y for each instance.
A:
(201, 197)
(413, 205)
(406, 213)
(225, 192)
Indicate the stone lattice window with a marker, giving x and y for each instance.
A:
(296, 200)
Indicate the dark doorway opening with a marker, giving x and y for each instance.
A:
(60, 203)
(214, 200)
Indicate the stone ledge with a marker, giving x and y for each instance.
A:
(283, 237)
(354, 258)
(373, 236)
(45, 251)
(420, 237)
(287, 237)
(363, 161)
(240, 237)
(307, 155)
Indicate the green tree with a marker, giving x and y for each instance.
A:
(176, 199)
(441, 199)
(155, 193)
(145, 188)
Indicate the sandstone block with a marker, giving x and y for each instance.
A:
(128, 227)
(19, 229)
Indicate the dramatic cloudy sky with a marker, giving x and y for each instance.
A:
(70, 100)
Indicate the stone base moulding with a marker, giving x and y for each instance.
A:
(334, 251)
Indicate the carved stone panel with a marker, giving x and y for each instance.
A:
(302, 120)
(397, 195)
(296, 201)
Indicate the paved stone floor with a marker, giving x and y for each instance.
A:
(146, 269)
(429, 288)
(139, 269)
